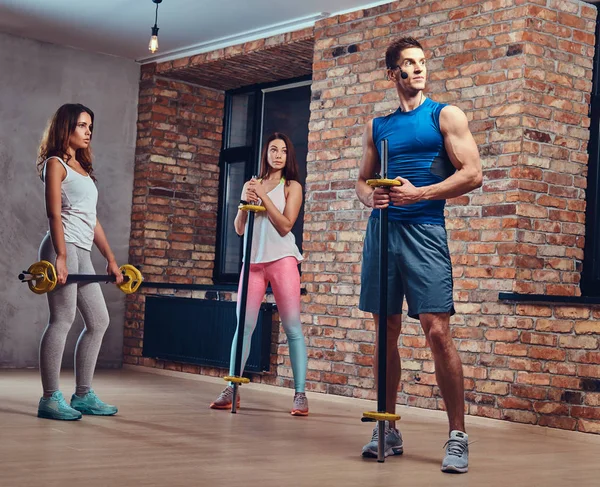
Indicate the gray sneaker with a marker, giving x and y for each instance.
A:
(300, 407)
(225, 399)
(393, 442)
(457, 453)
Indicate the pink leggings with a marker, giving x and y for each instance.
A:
(285, 282)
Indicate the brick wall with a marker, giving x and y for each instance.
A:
(176, 181)
(522, 73)
(521, 70)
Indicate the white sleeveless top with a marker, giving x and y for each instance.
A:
(79, 196)
(267, 244)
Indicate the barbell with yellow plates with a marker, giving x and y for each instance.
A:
(41, 278)
(237, 380)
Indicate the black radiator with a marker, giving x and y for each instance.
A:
(199, 331)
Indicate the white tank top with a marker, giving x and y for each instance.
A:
(79, 197)
(267, 244)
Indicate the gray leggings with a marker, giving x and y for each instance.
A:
(63, 303)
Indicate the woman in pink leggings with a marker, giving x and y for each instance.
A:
(274, 258)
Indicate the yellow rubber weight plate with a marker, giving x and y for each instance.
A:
(133, 281)
(48, 282)
(236, 380)
(251, 208)
(381, 416)
(383, 183)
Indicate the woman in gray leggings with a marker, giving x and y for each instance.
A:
(65, 167)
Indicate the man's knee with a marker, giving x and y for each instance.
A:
(437, 330)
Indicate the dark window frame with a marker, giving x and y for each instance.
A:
(590, 275)
(229, 155)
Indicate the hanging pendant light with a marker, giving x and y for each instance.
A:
(153, 45)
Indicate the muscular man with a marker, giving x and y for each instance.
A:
(433, 153)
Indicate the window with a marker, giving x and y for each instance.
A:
(251, 115)
(590, 277)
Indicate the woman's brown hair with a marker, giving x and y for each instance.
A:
(55, 142)
(290, 171)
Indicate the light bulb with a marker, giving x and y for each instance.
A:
(153, 45)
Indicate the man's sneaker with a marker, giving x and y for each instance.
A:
(457, 453)
(225, 399)
(91, 404)
(393, 442)
(55, 407)
(300, 407)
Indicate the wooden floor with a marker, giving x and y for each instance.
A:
(165, 435)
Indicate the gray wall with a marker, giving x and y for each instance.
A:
(35, 79)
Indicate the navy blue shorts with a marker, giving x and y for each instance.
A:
(419, 268)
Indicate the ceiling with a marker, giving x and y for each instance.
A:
(122, 27)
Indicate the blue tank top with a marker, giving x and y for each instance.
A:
(415, 152)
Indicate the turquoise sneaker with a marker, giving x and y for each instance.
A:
(457, 453)
(55, 407)
(91, 404)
